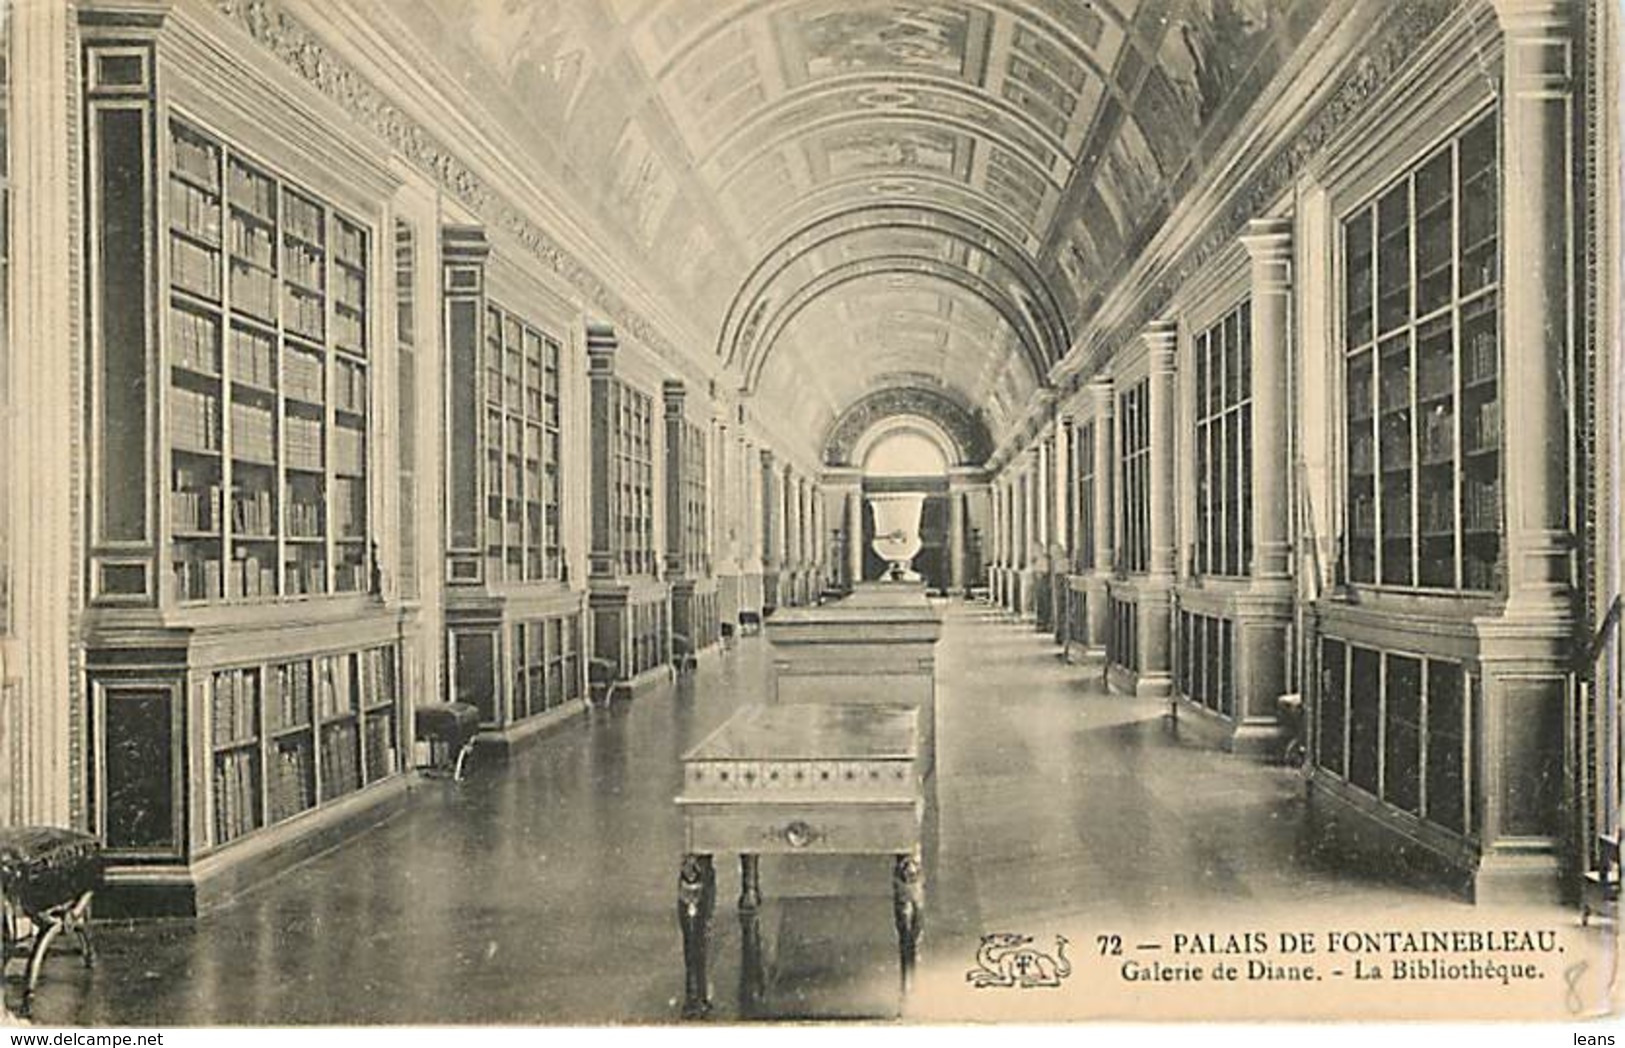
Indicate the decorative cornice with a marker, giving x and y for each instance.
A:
(1401, 35)
(304, 53)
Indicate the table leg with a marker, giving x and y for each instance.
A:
(696, 900)
(908, 908)
(750, 882)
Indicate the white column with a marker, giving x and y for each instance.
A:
(45, 349)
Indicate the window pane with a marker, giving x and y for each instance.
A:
(1365, 699)
(1402, 734)
(1446, 782)
(1332, 700)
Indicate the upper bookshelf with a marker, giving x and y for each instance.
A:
(267, 409)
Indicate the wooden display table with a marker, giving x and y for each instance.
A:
(877, 646)
(799, 780)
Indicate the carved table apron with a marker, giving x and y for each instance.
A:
(799, 779)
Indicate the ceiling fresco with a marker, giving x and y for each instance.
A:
(848, 191)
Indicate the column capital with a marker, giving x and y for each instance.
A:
(1269, 244)
(674, 393)
(1268, 239)
(767, 457)
(602, 345)
(1161, 338)
(1100, 397)
(1537, 17)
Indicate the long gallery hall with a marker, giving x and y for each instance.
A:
(577, 511)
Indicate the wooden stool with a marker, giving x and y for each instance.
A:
(49, 875)
(449, 728)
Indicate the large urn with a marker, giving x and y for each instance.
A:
(897, 532)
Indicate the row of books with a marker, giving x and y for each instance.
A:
(304, 518)
(235, 706)
(350, 243)
(302, 218)
(382, 757)
(194, 575)
(1481, 505)
(253, 290)
(377, 675)
(305, 576)
(290, 783)
(349, 451)
(1481, 425)
(194, 156)
(349, 330)
(302, 377)
(194, 420)
(251, 191)
(194, 268)
(194, 341)
(236, 794)
(350, 578)
(253, 511)
(194, 503)
(287, 699)
(253, 435)
(249, 576)
(302, 264)
(1479, 356)
(349, 287)
(251, 241)
(194, 211)
(303, 442)
(335, 686)
(303, 313)
(1438, 511)
(350, 387)
(350, 508)
(341, 765)
(253, 358)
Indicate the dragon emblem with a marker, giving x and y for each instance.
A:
(1010, 959)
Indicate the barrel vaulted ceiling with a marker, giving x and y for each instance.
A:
(861, 194)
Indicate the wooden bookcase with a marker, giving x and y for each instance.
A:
(268, 382)
(243, 668)
(634, 479)
(523, 476)
(1134, 472)
(1224, 445)
(1422, 368)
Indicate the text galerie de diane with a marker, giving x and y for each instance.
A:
(1292, 953)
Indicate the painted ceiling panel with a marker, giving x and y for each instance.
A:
(962, 180)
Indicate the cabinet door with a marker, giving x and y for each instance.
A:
(139, 755)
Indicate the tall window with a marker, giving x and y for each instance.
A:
(268, 382)
(522, 463)
(1084, 438)
(1421, 272)
(634, 479)
(1134, 463)
(1224, 445)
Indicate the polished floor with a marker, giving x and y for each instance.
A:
(543, 891)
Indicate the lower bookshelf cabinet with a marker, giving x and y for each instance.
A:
(214, 750)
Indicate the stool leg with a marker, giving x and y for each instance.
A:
(81, 928)
(462, 756)
(50, 928)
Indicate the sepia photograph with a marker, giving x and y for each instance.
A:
(688, 514)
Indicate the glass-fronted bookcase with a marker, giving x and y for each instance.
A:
(243, 668)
